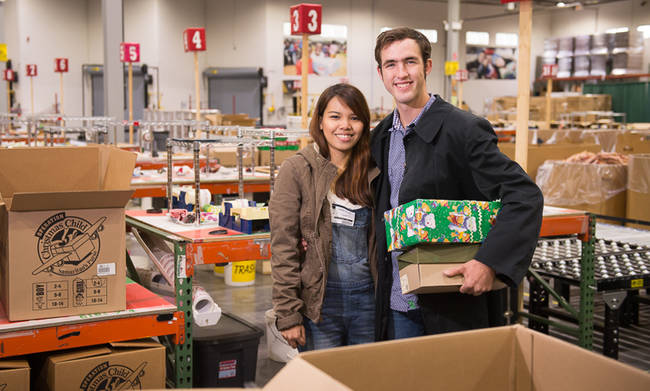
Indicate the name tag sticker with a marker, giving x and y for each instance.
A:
(342, 216)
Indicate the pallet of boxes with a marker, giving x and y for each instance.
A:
(593, 182)
(62, 241)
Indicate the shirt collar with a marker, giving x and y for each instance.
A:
(397, 124)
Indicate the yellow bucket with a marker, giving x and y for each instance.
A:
(240, 273)
(219, 269)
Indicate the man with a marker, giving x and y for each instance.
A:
(430, 149)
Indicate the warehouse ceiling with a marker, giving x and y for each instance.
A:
(545, 4)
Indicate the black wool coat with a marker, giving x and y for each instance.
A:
(452, 154)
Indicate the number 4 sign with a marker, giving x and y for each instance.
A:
(194, 39)
(129, 52)
(306, 18)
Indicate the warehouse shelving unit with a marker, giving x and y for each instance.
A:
(562, 222)
(146, 315)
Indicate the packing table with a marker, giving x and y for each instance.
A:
(194, 245)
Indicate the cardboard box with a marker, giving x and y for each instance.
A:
(62, 230)
(14, 375)
(510, 358)
(227, 156)
(633, 142)
(538, 154)
(123, 365)
(428, 278)
(442, 221)
(638, 191)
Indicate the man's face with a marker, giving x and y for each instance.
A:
(403, 72)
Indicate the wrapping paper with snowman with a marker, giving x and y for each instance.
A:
(439, 221)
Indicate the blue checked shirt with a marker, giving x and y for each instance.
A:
(396, 164)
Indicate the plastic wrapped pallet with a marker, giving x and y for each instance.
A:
(627, 39)
(581, 66)
(564, 66)
(638, 192)
(598, 65)
(597, 188)
(627, 61)
(550, 48)
(600, 43)
(582, 45)
(565, 47)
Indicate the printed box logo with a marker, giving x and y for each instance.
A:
(68, 245)
(113, 377)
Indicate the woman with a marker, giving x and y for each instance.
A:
(323, 293)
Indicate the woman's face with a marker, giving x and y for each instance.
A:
(342, 128)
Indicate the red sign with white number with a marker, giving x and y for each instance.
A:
(549, 71)
(129, 52)
(31, 70)
(194, 39)
(60, 65)
(462, 75)
(306, 18)
(8, 75)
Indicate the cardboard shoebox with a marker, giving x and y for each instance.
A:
(511, 358)
(130, 365)
(62, 230)
(422, 267)
(14, 375)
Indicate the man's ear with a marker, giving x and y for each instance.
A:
(429, 66)
(381, 76)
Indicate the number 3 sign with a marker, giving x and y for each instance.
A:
(194, 40)
(306, 18)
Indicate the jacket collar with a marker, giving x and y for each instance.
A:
(426, 128)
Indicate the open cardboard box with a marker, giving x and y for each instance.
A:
(511, 358)
(122, 365)
(62, 231)
(14, 375)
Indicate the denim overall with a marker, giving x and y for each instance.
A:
(348, 312)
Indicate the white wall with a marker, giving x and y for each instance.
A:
(249, 33)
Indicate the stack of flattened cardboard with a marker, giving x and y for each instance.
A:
(62, 230)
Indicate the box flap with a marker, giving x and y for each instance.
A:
(117, 168)
(48, 169)
(579, 369)
(23, 202)
(411, 364)
(13, 364)
(78, 354)
(298, 373)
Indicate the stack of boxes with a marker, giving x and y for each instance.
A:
(627, 52)
(596, 55)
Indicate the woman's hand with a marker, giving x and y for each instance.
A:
(294, 336)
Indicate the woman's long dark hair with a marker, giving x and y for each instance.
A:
(352, 183)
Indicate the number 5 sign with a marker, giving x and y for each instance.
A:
(129, 52)
(306, 18)
(60, 65)
(194, 40)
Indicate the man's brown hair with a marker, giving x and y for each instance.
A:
(352, 183)
(401, 33)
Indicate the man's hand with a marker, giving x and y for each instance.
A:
(478, 277)
(295, 336)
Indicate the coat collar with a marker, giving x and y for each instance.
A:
(426, 128)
